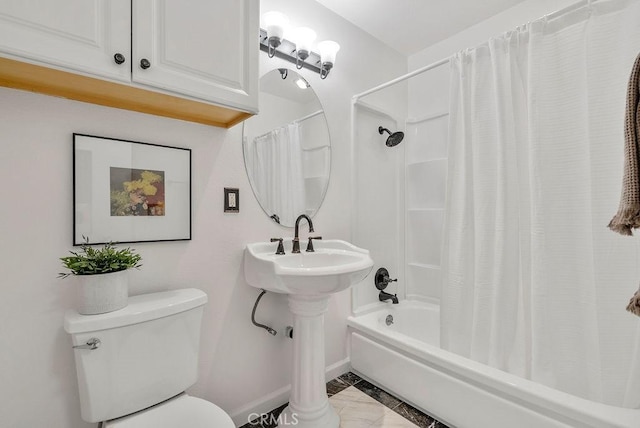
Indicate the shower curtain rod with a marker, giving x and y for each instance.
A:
(309, 116)
(413, 73)
(568, 9)
(401, 78)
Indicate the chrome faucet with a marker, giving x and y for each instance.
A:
(296, 239)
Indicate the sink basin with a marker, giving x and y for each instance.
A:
(334, 266)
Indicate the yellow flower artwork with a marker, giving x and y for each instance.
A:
(137, 192)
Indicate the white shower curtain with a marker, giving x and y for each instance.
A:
(276, 159)
(533, 281)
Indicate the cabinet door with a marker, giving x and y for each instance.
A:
(200, 48)
(79, 35)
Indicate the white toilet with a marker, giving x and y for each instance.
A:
(134, 364)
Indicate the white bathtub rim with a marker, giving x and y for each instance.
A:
(367, 309)
(505, 385)
(388, 306)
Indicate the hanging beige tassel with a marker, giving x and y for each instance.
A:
(628, 216)
(634, 304)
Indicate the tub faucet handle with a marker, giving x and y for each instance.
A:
(382, 279)
(280, 249)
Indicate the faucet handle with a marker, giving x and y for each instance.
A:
(310, 244)
(280, 249)
(382, 279)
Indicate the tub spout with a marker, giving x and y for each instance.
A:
(383, 297)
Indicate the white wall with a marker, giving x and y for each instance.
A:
(378, 197)
(378, 175)
(240, 364)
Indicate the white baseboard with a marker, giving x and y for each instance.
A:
(280, 396)
(246, 413)
(339, 368)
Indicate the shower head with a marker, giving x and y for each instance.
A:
(394, 138)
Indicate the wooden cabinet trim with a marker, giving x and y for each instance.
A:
(45, 80)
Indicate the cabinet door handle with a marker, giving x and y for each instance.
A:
(119, 58)
(144, 63)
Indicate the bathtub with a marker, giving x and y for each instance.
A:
(405, 359)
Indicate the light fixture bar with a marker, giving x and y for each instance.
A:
(287, 51)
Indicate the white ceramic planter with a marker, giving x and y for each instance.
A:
(107, 292)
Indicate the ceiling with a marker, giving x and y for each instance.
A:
(410, 26)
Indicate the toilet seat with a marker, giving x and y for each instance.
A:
(181, 411)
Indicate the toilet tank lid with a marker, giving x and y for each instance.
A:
(144, 307)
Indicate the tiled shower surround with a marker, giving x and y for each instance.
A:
(361, 404)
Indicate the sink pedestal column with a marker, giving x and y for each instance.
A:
(308, 405)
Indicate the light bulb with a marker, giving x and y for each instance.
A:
(303, 37)
(302, 84)
(275, 23)
(328, 50)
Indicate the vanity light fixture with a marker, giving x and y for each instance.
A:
(297, 50)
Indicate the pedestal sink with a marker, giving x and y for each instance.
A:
(308, 279)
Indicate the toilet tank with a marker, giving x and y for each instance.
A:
(148, 352)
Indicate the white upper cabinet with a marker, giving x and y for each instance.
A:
(204, 49)
(79, 35)
(204, 52)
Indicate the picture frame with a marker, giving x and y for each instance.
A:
(128, 191)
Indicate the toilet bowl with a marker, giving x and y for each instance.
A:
(122, 359)
(180, 411)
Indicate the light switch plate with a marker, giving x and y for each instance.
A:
(231, 200)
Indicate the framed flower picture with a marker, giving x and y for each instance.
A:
(127, 191)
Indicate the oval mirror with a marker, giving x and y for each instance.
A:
(287, 149)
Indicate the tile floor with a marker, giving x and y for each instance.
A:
(361, 404)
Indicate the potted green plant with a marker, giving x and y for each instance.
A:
(103, 277)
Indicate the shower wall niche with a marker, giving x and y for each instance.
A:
(425, 185)
(426, 171)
